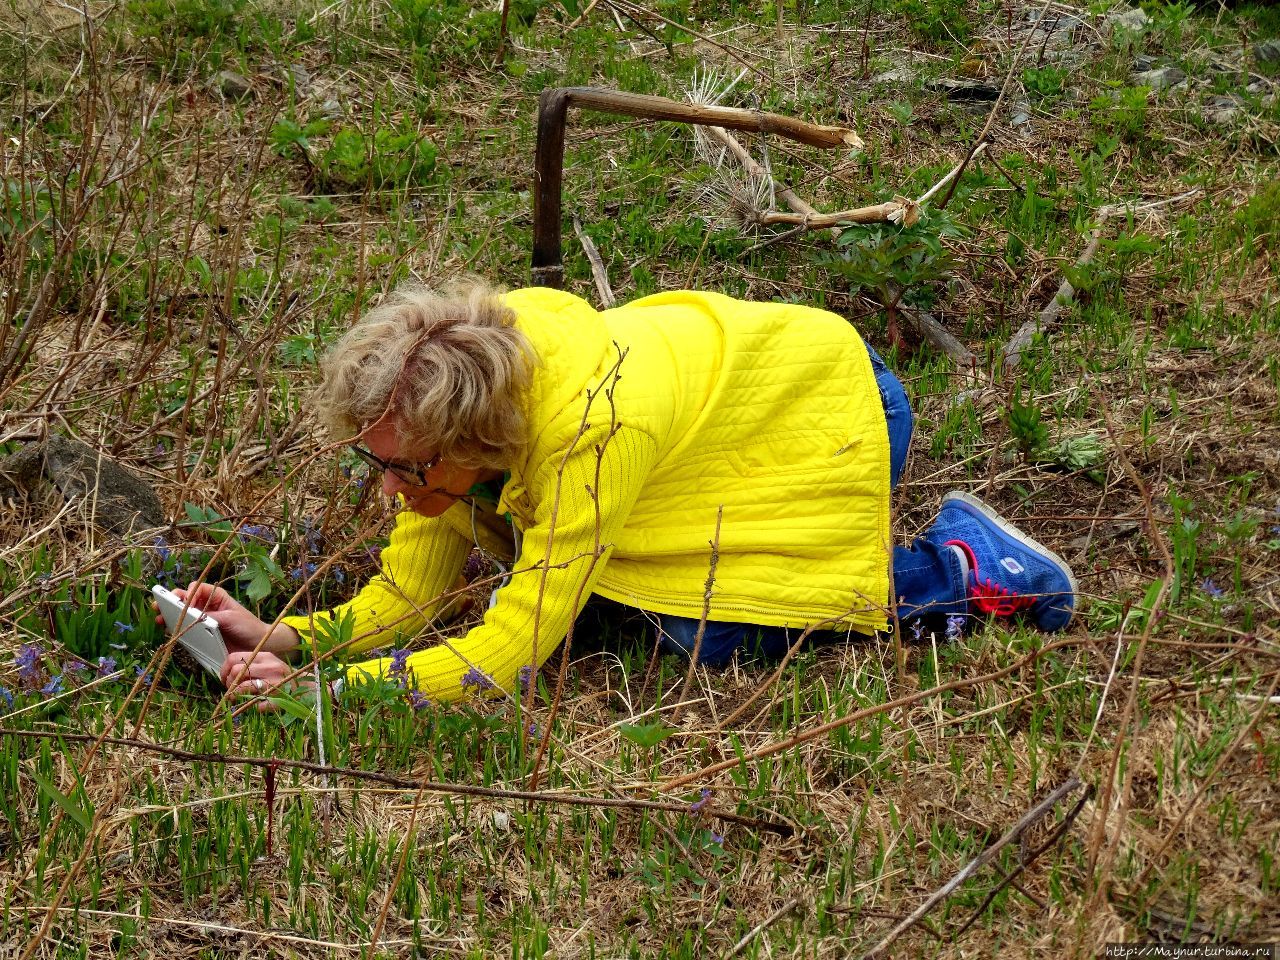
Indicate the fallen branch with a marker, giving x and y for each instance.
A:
(763, 925)
(407, 783)
(1049, 317)
(1063, 298)
(553, 107)
(702, 621)
(1025, 822)
(926, 325)
(703, 776)
(598, 273)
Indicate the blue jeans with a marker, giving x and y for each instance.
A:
(928, 579)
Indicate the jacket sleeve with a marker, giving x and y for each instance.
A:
(561, 557)
(422, 561)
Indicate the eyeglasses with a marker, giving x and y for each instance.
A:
(415, 475)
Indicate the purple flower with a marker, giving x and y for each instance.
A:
(399, 662)
(533, 728)
(306, 569)
(162, 549)
(698, 805)
(339, 575)
(1211, 588)
(523, 676)
(717, 838)
(418, 700)
(106, 666)
(7, 696)
(477, 680)
(122, 627)
(917, 630)
(28, 662)
(474, 567)
(54, 686)
(140, 671)
(257, 531)
(955, 627)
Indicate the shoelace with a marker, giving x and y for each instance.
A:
(987, 596)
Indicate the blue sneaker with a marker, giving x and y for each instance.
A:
(1006, 572)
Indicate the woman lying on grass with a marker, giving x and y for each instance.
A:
(597, 450)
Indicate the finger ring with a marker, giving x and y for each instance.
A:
(258, 684)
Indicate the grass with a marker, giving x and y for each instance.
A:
(195, 255)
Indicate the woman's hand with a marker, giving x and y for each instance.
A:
(247, 674)
(240, 629)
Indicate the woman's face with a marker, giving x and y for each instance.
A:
(446, 483)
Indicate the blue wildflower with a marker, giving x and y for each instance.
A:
(533, 728)
(1211, 588)
(122, 627)
(306, 569)
(162, 549)
(698, 805)
(7, 696)
(917, 630)
(339, 575)
(27, 661)
(523, 676)
(140, 671)
(955, 627)
(717, 838)
(54, 686)
(399, 661)
(418, 700)
(475, 566)
(257, 531)
(106, 666)
(477, 680)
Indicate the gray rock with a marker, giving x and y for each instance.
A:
(1132, 19)
(1162, 78)
(1056, 29)
(1222, 109)
(112, 496)
(301, 77)
(331, 110)
(1268, 51)
(895, 77)
(232, 85)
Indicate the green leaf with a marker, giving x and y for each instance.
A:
(646, 735)
(294, 708)
(77, 813)
(213, 522)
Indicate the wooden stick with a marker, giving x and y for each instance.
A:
(598, 273)
(1065, 294)
(928, 327)
(763, 925)
(707, 772)
(1025, 822)
(553, 107)
(702, 621)
(1049, 317)
(407, 783)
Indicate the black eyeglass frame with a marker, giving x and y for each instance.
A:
(417, 476)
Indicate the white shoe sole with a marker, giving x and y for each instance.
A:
(1013, 532)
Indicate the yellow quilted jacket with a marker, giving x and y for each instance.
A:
(644, 421)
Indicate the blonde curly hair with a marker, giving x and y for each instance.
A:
(451, 367)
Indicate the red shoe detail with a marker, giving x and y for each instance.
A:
(987, 596)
